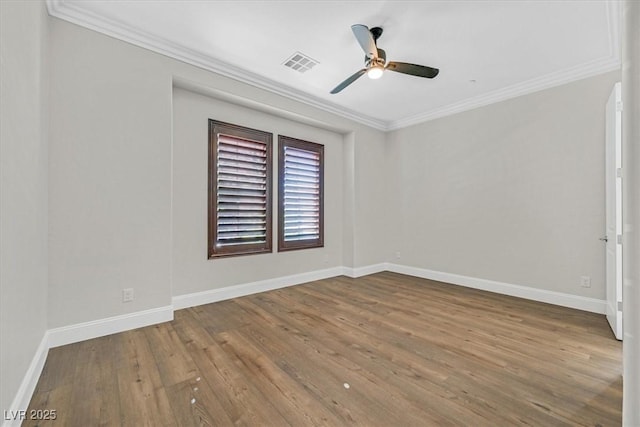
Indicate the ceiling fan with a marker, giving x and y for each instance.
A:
(375, 59)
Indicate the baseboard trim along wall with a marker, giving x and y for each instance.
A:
(97, 328)
(228, 292)
(541, 295)
(364, 271)
(111, 325)
(28, 385)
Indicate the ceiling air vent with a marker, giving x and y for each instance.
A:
(300, 62)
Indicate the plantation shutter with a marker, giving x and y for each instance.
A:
(242, 186)
(242, 191)
(301, 195)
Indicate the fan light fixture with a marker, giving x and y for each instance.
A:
(375, 72)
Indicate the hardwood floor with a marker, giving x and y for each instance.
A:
(382, 350)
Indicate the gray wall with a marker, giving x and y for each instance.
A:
(631, 213)
(512, 192)
(23, 192)
(111, 176)
(192, 271)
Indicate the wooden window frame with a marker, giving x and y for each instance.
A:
(241, 132)
(284, 141)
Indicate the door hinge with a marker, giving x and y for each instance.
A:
(619, 172)
(619, 106)
(619, 305)
(619, 239)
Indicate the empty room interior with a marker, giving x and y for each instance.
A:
(270, 213)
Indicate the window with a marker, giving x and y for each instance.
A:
(239, 190)
(300, 194)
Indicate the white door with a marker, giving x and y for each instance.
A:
(613, 179)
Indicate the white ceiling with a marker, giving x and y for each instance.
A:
(486, 51)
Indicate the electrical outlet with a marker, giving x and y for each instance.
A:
(326, 259)
(398, 255)
(585, 281)
(127, 295)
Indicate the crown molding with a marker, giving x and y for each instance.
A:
(605, 64)
(534, 85)
(74, 14)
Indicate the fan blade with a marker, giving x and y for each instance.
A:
(413, 69)
(350, 80)
(364, 37)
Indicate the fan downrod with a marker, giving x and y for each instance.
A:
(376, 32)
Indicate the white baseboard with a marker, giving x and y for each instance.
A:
(102, 327)
(542, 295)
(364, 271)
(28, 385)
(221, 294)
(552, 297)
(111, 325)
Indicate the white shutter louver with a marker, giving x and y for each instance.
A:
(242, 191)
(239, 190)
(301, 194)
(300, 199)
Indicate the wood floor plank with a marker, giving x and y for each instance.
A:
(225, 317)
(323, 378)
(143, 398)
(235, 393)
(295, 403)
(411, 351)
(366, 359)
(325, 384)
(194, 403)
(94, 397)
(172, 358)
(57, 399)
(55, 387)
(461, 337)
(474, 402)
(548, 387)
